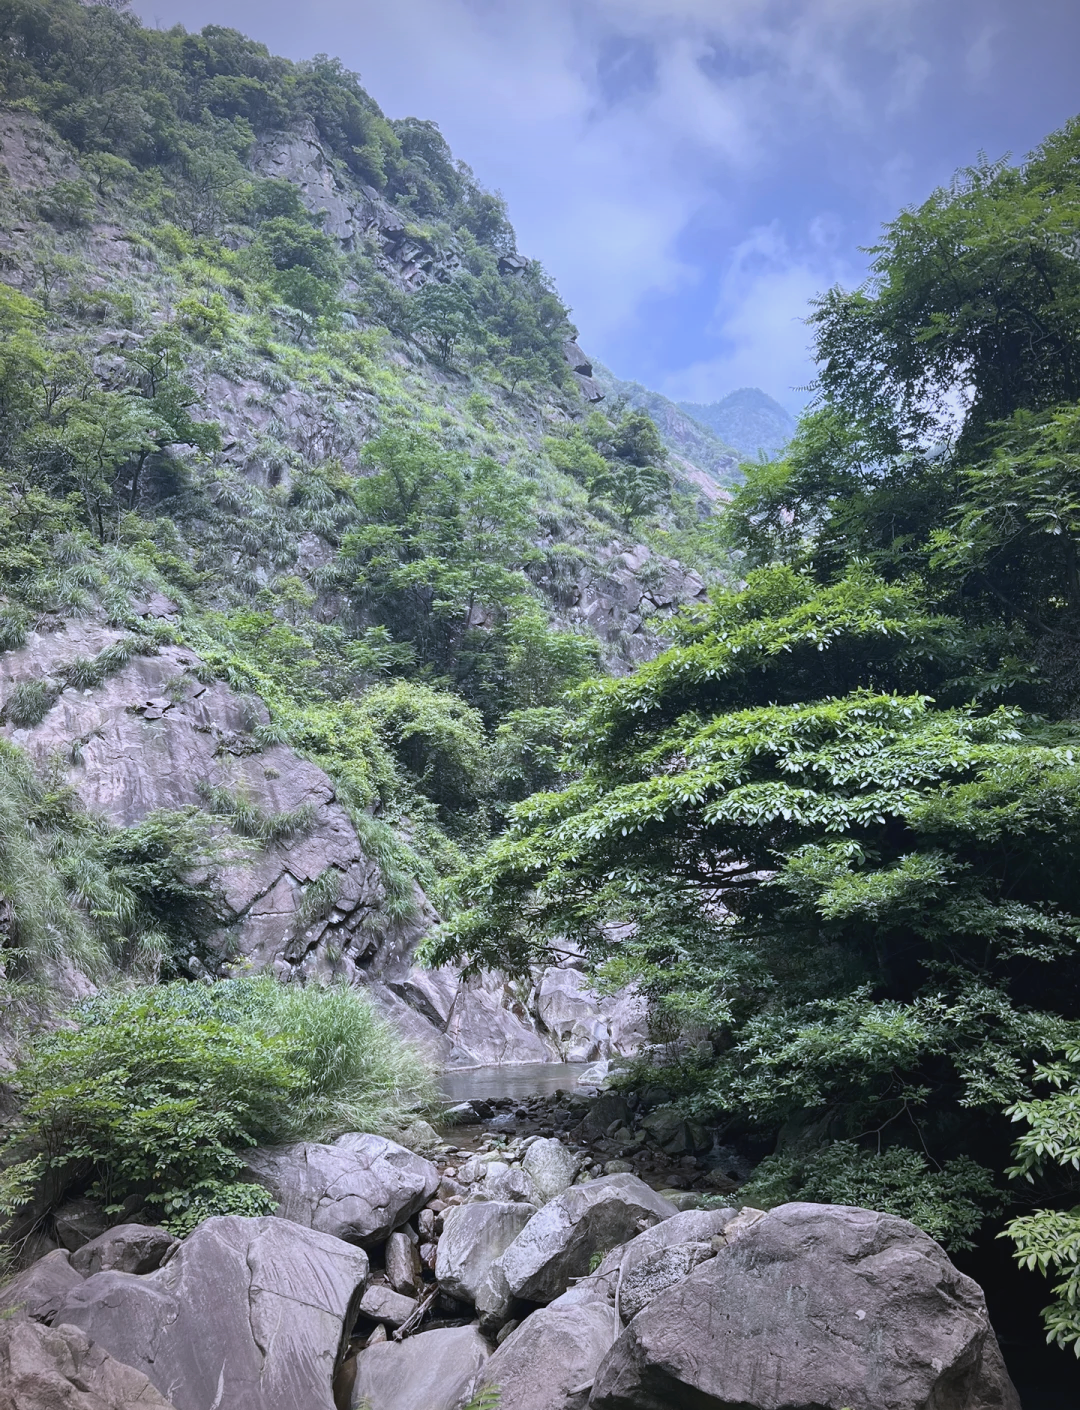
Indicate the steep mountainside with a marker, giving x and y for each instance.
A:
(705, 457)
(311, 514)
(749, 420)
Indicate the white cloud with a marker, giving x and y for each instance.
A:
(604, 183)
(758, 322)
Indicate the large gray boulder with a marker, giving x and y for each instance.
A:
(696, 1226)
(551, 1166)
(250, 1314)
(659, 1271)
(559, 1241)
(127, 1248)
(506, 1183)
(431, 1371)
(549, 1362)
(813, 1305)
(60, 1368)
(38, 1291)
(688, 1226)
(360, 1189)
(473, 1237)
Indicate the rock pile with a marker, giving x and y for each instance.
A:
(384, 1283)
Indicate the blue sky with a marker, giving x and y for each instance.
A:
(692, 172)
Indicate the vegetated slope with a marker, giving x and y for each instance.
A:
(278, 391)
(706, 458)
(750, 420)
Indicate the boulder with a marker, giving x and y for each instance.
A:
(249, 1314)
(559, 1241)
(79, 1221)
(38, 1291)
(419, 1136)
(383, 1304)
(506, 1184)
(402, 1265)
(696, 1226)
(688, 1226)
(813, 1305)
(549, 1361)
(127, 1248)
(473, 1237)
(60, 1368)
(644, 1281)
(430, 1371)
(551, 1167)
(359, 1189)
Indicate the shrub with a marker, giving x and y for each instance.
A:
(28, 704)
(152, 1095)
(949, 1203)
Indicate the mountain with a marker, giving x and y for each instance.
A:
(749, 420)
(311, 511)
(702, 455)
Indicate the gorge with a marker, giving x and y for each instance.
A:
(505, 897)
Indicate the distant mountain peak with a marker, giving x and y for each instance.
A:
(748, 419)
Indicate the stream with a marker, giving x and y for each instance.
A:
(515, 1080)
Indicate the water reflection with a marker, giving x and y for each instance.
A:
(525, 1079)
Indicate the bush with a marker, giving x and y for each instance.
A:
(150, 1097)
(28, 704)
(949, 1204)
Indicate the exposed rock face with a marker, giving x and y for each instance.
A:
(812, 1305)
(432, 1371)
(154, 736)
(352, 214)
(30, 154)
(473, 1237)
(126, 1248)
(249, 1314)
(60, 1368)
(623, 594)
(36, 1294)
(549, 1362)
(558, 1242)
(359, 1189)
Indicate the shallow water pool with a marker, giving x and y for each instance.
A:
(520, 1080)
